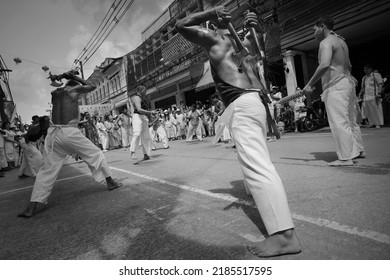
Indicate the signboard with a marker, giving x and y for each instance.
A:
(100, 108)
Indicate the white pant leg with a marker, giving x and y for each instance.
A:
(153, 136)
(146, 139)
(137, 129)
(141, 133)
(190, 132)
(32, 159)
(163, 136)
(58, 144)
(104, 140)
(340, 103)
(53, 159)
(248, 125)
(125, 136)
(372, 112)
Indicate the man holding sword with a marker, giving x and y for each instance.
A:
(233, 66)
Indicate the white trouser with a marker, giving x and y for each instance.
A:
(161, 134)
(126, 136)
(373, 111)
(32, 159)
(141, 131)
(340, 102)
(248, 126)
(103, 135)
(9, 151)
(60, 142)
(181, 128)
(194, 128)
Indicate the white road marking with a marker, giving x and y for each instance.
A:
(376, 236)
(29, 187)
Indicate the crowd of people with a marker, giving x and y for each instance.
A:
(108, 132)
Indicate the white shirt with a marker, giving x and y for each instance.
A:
(371, 85)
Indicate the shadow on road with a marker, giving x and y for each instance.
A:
(144, 220)
(238, 191)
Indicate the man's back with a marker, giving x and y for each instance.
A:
(340, 62)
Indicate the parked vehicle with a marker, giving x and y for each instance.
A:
(315, 116)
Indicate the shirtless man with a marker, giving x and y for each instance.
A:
(140, 107)
(239, 89)
(64, 138)
(339, 93)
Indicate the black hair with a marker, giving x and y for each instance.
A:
(326, 20)
(369, 66)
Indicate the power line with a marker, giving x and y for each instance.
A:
(117, 20)
(101, 36)
(113, 7)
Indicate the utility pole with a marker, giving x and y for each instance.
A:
(81, 69)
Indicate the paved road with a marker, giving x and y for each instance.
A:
(188, 202)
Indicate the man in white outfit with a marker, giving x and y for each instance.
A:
(125, 122)
(156, 129)
(64, 138)
(103, 134)
(140, 107)
(370, 93)
(32, 159)
(239, 88)
(339, 93)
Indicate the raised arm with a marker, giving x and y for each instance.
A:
(84, 87)
(190, 27)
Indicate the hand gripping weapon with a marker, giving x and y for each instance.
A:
(240, 50)
(56, 79)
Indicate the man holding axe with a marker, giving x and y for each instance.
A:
(64, 138)
(234, 69)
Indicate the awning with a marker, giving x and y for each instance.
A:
(206, 80)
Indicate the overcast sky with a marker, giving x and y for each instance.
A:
(53, 33)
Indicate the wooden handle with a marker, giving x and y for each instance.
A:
(237, 39)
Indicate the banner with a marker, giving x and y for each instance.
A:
(100, 108)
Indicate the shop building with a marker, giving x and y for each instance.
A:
(176, 71)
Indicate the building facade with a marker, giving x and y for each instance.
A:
(176, 71)
(7, 105)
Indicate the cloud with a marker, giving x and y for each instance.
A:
(31, 91)
(126, 36)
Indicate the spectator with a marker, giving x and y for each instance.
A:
(370, 93)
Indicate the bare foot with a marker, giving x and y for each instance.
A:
(280, 243)
(32, 209)
(341, 163)
(112, 185)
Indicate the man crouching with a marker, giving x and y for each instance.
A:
(64, 138)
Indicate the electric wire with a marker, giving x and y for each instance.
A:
(97, 33)
(116, 20)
